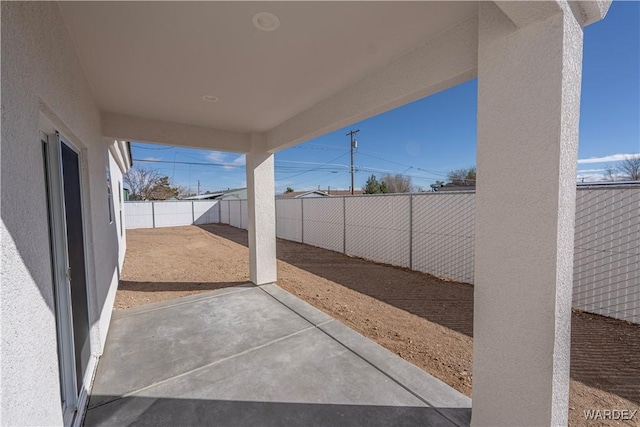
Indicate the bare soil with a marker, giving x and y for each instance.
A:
(425, 320)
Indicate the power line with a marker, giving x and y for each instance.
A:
(316, 179)
(283, 169)
(307, 163)
(371, 154)
(442, 174)
(308, 146)
(322, 148)
(293, 168)
(331, 167)
(296, 171)
(318, 168)
(386, 171)
(323, 145)
(300, 185)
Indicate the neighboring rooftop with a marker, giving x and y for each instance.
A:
(238, 193)
(316, 193)
(205, 196)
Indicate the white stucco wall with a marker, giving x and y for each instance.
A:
(42, 75)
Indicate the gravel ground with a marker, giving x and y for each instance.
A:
(425, 320)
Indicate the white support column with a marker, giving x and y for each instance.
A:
(528, 110)
(262, 213)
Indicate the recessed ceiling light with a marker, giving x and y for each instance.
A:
(210, 98)
(266, 21)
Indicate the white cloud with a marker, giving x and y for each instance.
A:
(605, 159)
(216, 156)
(151, 159)
(238, 161)
(583, 171)
(226, 159)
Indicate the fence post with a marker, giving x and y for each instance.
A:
(219, 212)
(193, 214)
(229, 209)
(344, 224)
(153, 215)
(240, 207)
(410, 231)
(302, 218)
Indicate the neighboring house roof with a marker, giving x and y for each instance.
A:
(204, 196)
(236, 193)
(239, 193)
(292, 194)
(311, 194)
(456, 188)
(344, 192)
(304, 194)
(316, 193)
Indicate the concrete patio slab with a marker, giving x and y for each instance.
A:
(247, 356)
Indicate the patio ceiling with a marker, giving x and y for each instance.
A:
(156, 60)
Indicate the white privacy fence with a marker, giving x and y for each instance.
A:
(607, 253)
(434, 233)
(234, 213)
(428, 232)
(170, 213)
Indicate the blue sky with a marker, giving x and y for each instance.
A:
(434, 135)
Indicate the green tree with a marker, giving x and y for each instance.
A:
(372, 186)
(289, 190)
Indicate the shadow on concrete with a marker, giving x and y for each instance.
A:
(446, 303)
(604, 351)
(126, 285)
(148, 411)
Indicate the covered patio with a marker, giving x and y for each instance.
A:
(259, 77)
(257, 355)
(527, 58)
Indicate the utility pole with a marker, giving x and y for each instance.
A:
(198, 187)
(354, 144)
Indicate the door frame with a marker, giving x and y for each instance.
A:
(73, 401)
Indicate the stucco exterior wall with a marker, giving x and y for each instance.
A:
(117, 204)
(117, 244)
(41, 75)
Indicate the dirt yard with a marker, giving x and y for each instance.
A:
(425, 320)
